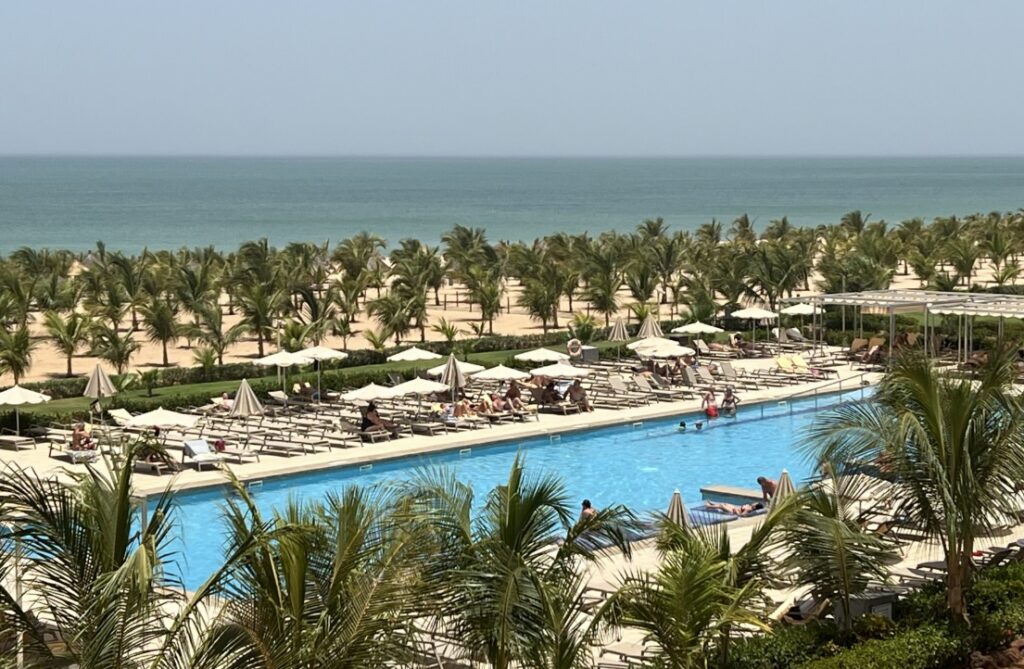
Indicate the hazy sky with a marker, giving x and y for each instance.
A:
(551, 77)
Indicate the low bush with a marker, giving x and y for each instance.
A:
(786, 646)
(929, 647)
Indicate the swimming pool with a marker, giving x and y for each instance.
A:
(638, 465)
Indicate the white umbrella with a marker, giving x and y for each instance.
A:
(464, 367)
(369, 393)
(99, 384)
(561, 370)
(418, 386)
(696, 328)
(413, 354)
(15, 396)
(618, 331)
(801, 309)
(783, 489)
(674, 351)
(453, 375)
(283, 359)
(319, 354)
(245, 403)
(651, 342)
(677, 510)
(650, 327)
(500, 373)
(163, 418)
(541, 355)
(754, 314)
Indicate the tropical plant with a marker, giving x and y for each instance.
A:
(378, 340)
(110, 345)
(450, 331)
(260, 305)
(16, 352)
(149, 380)
(583, 327)
(952, 445)
(161, 324)
(210, 330)
(206, 358)
(68, 334)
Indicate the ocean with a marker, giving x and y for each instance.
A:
(169, 202)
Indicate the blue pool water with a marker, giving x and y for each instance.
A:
(635, 465)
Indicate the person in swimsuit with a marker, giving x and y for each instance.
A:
(710, 404)
(729, 402)
(767, 487)
(743, 510)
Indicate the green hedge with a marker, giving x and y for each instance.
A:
(927, 647)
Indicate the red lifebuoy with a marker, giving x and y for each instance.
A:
(574, 347)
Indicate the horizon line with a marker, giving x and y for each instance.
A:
(538, 156)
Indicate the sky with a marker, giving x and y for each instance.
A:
(516, 78)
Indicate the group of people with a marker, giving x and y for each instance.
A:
(575, 393)
(710, 403)
(768, 487)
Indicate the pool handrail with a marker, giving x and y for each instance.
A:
(833, 386)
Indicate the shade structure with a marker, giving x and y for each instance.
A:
(801, 309)
(541, 355)
(674, 351)
(283, 359)
(16, 396)
(561, 370)
(618, 331)
(651, 342)
(369, 393)
(99, 384)
(163, 418)
(783, 489)
(418, 386)
(650, 327)
(754, 314)
(500, 373)
(677, 510)
(453, 375)
(319, 354)
(464, 367)
(697, 328)
(246, 403)
(413, 354)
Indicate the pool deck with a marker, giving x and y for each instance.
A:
(548, 425)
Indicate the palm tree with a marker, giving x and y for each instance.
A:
(161, 324)
(260, 305)
(326, 584)
(829, 550)
(130, 275)
(68, 334)
(953, 447)
(209, 329)
(498, 586)
(16, 352)
(107, 581)
(110, 345)
(392, 313)
(450, 331)
(378, 340)
(540, 299)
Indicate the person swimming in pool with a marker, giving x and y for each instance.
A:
(736, 510)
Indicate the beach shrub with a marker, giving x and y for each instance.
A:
(785, 646)
(929, 647)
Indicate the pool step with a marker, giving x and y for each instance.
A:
(463, 452)
(731, 494)
(365, 468)
(253, 486)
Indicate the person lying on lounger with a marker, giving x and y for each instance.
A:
(744, 510)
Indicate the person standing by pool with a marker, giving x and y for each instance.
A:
(710, 404)
(588, 510)
(767, 487)
(729, 402)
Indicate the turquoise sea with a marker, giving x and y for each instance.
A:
(131, 203)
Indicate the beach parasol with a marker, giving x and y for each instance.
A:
(500, 373)
(783, 489)
(245, 403)
(319, 354)
(561, 370)
(163, 418)
(754, 314)
(281, 360)
(801, 309)
(696, 328)
(464, 367)
(541, 355)
(453, 375)
(369, 393)
(418, 386)
(651, 342)
(667, 351)
(650, 327)
(99, 386)
(414, 354)
(618, 334)
(677, 511)
(16, 396)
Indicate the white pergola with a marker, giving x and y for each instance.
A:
(965, 306)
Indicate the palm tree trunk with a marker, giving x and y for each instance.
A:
(70, 373)
(166, 363)
(955, 585)
(259, 343)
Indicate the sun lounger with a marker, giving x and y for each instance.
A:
(372, 436)
(16, 443)
(624, 394)
(645, 387)
(198, 451)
